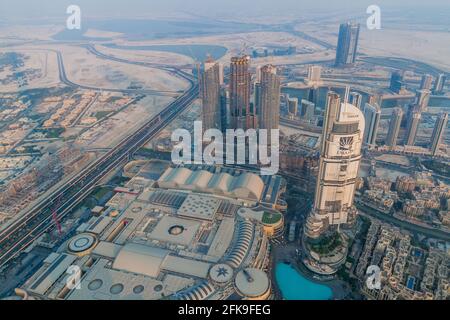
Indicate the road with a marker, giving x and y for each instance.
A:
(22, 232)
(66, 81)
(312, 39)
(432, 233)
(296, 124)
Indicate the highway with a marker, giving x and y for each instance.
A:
(18, 235)
(312, 39)
(66, 81)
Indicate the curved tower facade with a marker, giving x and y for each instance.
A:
(268, 101)
(339, 164)
(242, 114)
(210, 94)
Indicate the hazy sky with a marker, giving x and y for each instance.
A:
(37, 9)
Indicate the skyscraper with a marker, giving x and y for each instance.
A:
(355, 99)
(340, 158)
(394, 127)
(307, 110)
(374, 98)
(397, 84)
(292, 106)
(426, 82)
(258, 73)
(438, 133)
(413, 126)
(221, 76)
(422, 99)
(314, 75)
(268, 99)
(313, 95)
(224, 107)
(372, 115)
(347, 44)
(439, 84)
(242, 114)
(210, 94)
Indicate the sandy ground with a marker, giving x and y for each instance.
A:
(146, 56)
(393, 158)
(94, 33)
(113, 130)
(29, 32)
(85, 68)
(42, 61)
(425, 46)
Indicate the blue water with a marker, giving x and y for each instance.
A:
(198, 52)
(294, 286)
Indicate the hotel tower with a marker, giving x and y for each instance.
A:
(325, 247)
(339, 164)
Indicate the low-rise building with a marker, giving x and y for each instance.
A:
(181, 236)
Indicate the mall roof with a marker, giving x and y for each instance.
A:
(243, 186)
(252, 282)
(140, 259)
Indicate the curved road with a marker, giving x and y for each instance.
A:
(23, 231)
(432, 233)
(66, 81)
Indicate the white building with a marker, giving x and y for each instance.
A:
(372, 115)
(339, 164)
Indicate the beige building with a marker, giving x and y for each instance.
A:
(339, 165)
(268, 99)
(210, 93)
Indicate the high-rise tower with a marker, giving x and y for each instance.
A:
(413, 126)
(394, 127)
(355, 99)
(242, 114)
(426, 82)
(268, 99)
(210, 94)
(397, 84)
(292, 106)
(438, 133)
(422, 99)
(308, 109)
(314, 75)
(439, 84)
(347, 44)
(372, 115)
(340, 158)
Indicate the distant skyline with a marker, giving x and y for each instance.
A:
(41, 9)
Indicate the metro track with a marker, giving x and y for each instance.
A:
(22, 232)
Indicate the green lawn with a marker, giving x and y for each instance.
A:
(270, 218)
(53, 132)
(101, 114)
(327, 244)
(438, 167)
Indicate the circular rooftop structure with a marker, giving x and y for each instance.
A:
(221, 273)
(114, 213)
(176, 230)
(252, 283)
(82, 243)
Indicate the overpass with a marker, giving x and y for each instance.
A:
(23, 231)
